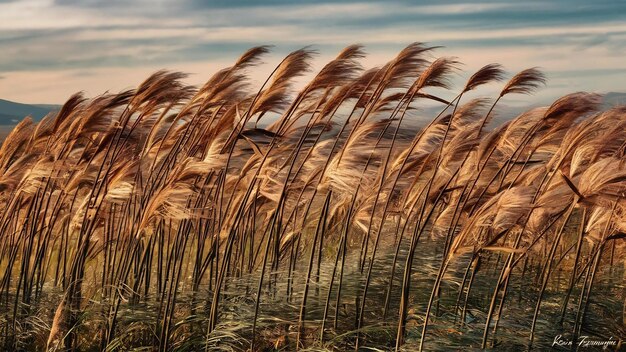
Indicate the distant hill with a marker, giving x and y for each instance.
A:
(613, 98)
(11, 112)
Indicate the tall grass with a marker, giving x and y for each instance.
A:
(234, 217)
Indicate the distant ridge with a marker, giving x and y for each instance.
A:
(11, 112)
(614, 98)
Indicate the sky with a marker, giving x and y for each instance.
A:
(50, 49)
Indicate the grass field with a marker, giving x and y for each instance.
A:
(239, 217)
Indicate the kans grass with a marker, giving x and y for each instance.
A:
(231, 217)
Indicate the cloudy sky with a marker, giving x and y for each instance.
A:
(50, 49)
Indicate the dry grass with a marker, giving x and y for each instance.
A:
(229, 217)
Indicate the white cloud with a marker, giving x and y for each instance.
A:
(45, 46)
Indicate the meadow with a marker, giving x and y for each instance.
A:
(239, 217)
